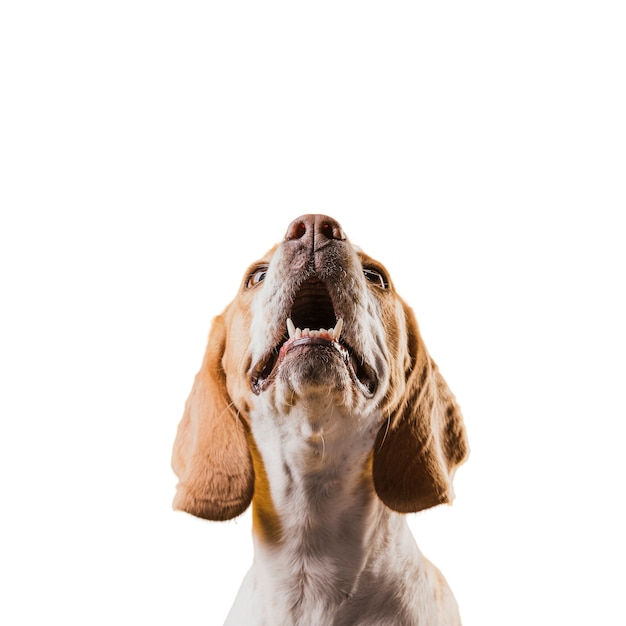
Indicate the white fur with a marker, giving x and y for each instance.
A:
(348, 558)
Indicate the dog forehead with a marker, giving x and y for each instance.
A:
(263, 260)
(366, 259)
(267, 257)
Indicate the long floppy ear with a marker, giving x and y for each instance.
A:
(211, 456)
(418, 450)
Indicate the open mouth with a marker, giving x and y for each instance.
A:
(313, 322)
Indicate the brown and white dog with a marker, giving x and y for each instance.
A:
(318, 402)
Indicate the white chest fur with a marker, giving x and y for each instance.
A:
(344, 557)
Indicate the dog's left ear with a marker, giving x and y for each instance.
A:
(418, 450)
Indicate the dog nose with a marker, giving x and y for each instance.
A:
(315, 227)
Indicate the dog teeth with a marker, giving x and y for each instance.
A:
(332, 333)
(337, 329)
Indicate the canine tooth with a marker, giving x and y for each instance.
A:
(291, 329)
(338, 327)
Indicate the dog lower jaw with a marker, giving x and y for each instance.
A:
(321, 371)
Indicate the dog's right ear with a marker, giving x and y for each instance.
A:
(211, 456)
(418, 451)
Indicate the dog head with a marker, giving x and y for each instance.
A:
(317, 323)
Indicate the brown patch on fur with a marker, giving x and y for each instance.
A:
(265, 520)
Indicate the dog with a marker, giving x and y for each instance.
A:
(318, 403)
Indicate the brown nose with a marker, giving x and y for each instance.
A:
(315, 229)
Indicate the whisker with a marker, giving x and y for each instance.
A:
(387, 426)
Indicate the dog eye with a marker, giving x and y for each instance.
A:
(376, 277)
(256, 276)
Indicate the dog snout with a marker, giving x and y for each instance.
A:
(314, 231)
(315, 246)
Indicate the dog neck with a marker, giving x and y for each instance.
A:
(320, 525)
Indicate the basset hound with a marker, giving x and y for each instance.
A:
(318, 403)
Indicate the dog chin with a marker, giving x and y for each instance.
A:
(318, 370)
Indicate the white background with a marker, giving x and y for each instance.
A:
(151, 150)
